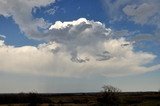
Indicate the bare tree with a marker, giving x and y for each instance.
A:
(110, 96)
(110, 88)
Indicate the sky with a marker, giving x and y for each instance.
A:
(62, 46)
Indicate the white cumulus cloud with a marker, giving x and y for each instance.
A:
(78, 36)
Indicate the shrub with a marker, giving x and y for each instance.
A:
(110, 96)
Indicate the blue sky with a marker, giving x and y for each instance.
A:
(79, 45)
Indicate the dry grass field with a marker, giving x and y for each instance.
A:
(82, 99)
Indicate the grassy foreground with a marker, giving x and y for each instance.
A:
(82, 99)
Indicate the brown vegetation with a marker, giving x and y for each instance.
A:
(82, 99)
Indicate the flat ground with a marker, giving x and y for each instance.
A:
(82, 99)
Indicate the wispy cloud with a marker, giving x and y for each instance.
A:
(21, 12)
(52, 10)
(2, 37)
(141, 12)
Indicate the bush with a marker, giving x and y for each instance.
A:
(109, 88)
(110, 96)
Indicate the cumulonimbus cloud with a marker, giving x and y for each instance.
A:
(86, 49)
(79, 35)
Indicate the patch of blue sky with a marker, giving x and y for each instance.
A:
(73, 10)
(13, 34)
